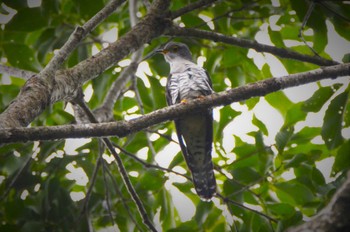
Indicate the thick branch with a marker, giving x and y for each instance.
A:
(16, 72)
(38, 93)
(280, 52)
(335, 217)
(123, 128)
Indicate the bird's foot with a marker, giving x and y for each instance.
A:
(183, 101)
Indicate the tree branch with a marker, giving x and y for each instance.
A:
(191, 7)
(38, 93)
(78, 35)
(121, 169)
(331, 218)
(16, 72)
(217, 37)
(123, 128)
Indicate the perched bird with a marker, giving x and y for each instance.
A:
(194, 131)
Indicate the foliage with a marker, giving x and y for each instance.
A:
(275, 162)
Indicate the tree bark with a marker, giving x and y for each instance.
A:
(123, 128)
(39, 92)
(333, 218)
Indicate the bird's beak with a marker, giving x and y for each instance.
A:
(163, 51)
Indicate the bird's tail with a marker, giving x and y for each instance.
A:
(204, 180)
(195, 137)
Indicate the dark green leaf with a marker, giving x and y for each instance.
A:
(260, 125)
(294, 192)
(178, 159)
(186, 226)
(281, 210)
(283, 137)
(27, 19)
(21, 56)
(232, 56)
(276, 38)
(346, 58)
(342, 160)
(319, 98)
(332, 122)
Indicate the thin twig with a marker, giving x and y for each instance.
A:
(227, 14)
(167, 137)
(123, 200)
(306, 18)
(92, 184)
(148, 165)
(192, 7)
(329, 8)
(228, 200)
(217, 37)
(107, 194)
(122, 170)
(15, 178)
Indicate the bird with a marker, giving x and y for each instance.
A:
(188, 81)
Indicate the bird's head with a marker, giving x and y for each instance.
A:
(173, 51)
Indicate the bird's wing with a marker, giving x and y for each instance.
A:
(172, 90)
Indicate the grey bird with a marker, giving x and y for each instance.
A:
(188, 81)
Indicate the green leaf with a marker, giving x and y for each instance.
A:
(295, 161)
(191, 20)
(332, 122)
(347, 115)
(202, 211)
(342, 160)
(281, 210)
(245, 175)
(227, 114)
(178, 159)
(294, 115)
(341, 24)
(24, 20)
(89, 8)
(317, 176)
(158, 93)
(186, 226)
(30, 226)
(279, 101)
(305, 135)
(232, 56)
(320, 35)
(276, 38)
(152, 180)
(21, 56)
(283, 137)
(251, 102)
(295, 219)
(346, 58)
(297, 193)
(319, 98)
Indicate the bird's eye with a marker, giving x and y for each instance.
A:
(175, 48)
